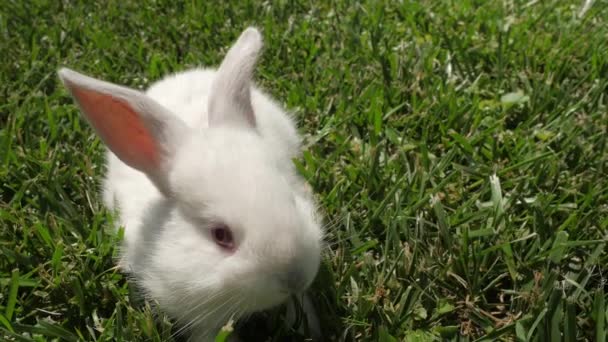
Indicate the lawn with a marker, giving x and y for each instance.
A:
(458, 150)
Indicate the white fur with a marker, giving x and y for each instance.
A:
(237, 171)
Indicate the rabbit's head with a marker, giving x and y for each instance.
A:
(241, 234)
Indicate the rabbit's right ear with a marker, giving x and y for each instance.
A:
(137, 129)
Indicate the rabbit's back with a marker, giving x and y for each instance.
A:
(186, 94)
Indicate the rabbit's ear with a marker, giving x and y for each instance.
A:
(141, 132)
(230, 98)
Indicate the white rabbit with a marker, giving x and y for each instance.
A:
(217, 222)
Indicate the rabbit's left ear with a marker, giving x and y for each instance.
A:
(230, 98)
(137, 129)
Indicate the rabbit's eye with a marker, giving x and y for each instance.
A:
(223, 237)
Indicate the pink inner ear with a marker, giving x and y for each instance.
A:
(121, 128)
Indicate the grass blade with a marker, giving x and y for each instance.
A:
(12, 295)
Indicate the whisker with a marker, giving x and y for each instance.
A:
(202, 316)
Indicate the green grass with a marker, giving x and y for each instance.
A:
(458, 148)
